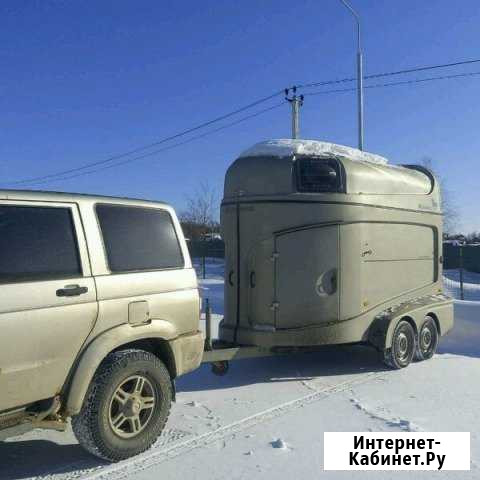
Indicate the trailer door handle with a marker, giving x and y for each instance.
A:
(230, 280)
(252, 279)
(71, 291)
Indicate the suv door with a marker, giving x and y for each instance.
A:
(47, 298)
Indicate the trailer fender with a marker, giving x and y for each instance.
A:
(379, 328)
(382, 329)
(438, 306)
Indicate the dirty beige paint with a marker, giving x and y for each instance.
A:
(307, 269)
(52, 345)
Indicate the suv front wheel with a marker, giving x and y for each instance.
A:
(126, 407)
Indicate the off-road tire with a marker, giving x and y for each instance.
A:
(401, 353)
(92, 426)
(427, 346)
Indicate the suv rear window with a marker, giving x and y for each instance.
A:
(316, 175)
(37, 243)
(138, 238)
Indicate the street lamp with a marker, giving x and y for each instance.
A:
(359, 76)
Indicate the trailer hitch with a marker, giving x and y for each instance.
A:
(220, 368)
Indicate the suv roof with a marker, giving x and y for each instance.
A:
(50, 196)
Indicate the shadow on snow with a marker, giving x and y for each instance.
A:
(329, 361)
(37, 458)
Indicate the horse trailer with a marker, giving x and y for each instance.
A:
(326, 244)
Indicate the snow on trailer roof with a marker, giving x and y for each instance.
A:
(288, 147)
(266, 169)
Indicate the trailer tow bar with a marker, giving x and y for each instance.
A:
(208, 326)
(219, 367)
(219, 353)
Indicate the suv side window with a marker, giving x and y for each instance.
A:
(37, 243)
(138, 238)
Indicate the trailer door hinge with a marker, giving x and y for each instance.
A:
(274, 256)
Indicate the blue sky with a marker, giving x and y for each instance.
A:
(82, 81)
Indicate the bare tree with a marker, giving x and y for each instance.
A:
(201, 214)
(449, 207)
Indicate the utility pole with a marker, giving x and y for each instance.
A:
(462, 297)
(359, 75)
(296, 103)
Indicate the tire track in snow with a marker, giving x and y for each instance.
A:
(157, 456)
(81, 468)
(394, 422)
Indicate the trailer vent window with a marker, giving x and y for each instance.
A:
(318, 175)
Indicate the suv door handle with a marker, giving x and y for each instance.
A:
(71, 291)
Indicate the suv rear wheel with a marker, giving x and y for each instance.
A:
(126, 407)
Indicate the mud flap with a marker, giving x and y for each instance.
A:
(378, 331)
(174, 391)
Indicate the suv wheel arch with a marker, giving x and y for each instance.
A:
(156, 334)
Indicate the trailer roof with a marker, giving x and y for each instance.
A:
(288, 147)
(271, 168)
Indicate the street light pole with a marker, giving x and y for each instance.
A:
(359, 75)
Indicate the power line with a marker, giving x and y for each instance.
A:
(248, 117)
(170, 147)
(60, 175)
(388, 74)
(146, 147)
(391, 84)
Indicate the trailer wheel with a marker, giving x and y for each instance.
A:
(427, 340)
(403, 346)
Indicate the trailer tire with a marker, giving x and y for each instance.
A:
(403, 346)
(427, 340)
(132, 383)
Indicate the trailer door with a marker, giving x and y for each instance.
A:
(261, 285)
(306, 277)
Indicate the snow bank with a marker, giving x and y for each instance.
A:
(288, 147)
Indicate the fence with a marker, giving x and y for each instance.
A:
(461, 274)
(461, 284)
(461, 256)
(204, 251)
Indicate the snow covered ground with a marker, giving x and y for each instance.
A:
(265, 418)
(471, 284)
